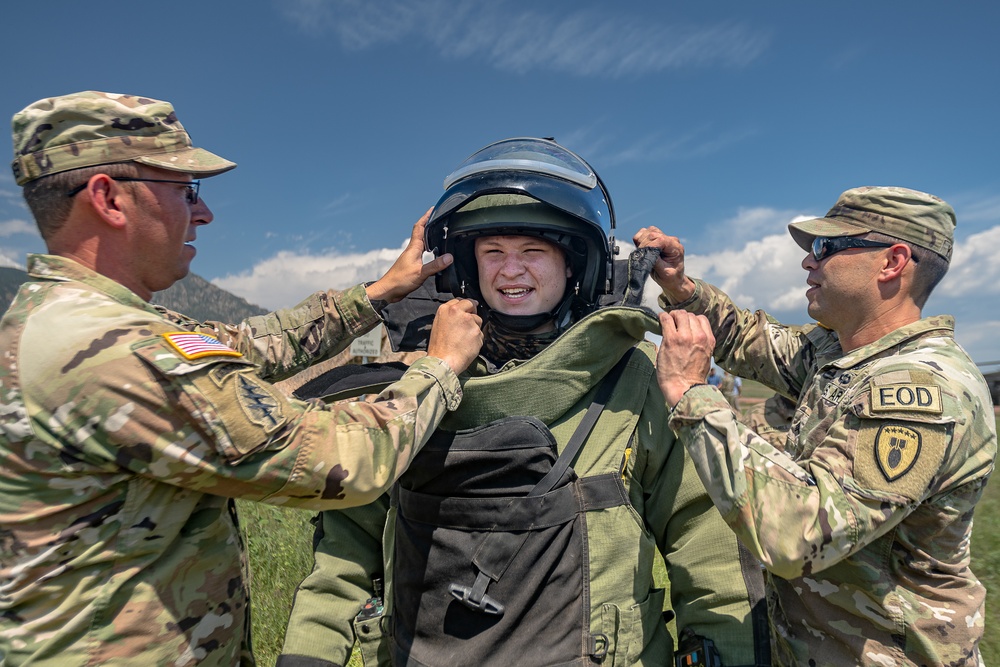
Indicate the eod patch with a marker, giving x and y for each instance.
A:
(906, 397)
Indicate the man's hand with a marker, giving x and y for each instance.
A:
(409, 271)
(685, 354)
(456, 334)
(668, 272)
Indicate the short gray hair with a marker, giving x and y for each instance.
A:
(47, 196)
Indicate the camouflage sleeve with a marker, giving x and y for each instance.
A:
(824, 515)
(322, 629)
(753, 345)
(286, 341)
(756, 421)
(765, 421)
(713, 591)
(212, 425)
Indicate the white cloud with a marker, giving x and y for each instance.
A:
(976, 208)
(17, 226)
(288, 277)
(9, 262)
(979, 338)
(696, 143)
(10, 194)
(975, 267)
(753, 223)
(846, 58)
(603, 143)
(339, 204)
(763, 273)
(759, 267)
(20, 237)
(583, 42)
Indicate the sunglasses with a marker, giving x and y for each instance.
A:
(190, 191)
(824, 246)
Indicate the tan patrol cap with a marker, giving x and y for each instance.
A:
(92, 128)
(908, 215)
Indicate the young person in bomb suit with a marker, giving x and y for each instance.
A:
(499, 547)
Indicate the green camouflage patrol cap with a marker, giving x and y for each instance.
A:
(92, 128)
(908, 215)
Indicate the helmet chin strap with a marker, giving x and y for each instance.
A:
(519, 323)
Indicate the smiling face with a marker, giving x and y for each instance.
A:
(521, 275)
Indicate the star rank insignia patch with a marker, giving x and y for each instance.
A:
(896, 450)
(197, 345)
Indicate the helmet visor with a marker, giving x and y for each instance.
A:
(526, 154)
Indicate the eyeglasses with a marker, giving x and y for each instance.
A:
(190, 191)
(824, 246)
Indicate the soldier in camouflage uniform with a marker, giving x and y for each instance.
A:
(127, 429)
(771, 419)
(865, 520)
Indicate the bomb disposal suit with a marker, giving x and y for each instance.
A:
(493, 550)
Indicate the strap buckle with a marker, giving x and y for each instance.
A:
(475, 597)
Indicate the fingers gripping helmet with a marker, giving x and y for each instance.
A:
(525, 187)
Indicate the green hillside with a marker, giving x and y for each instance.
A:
(10, 280)
(194, 296)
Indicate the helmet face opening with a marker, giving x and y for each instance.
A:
(525, 187)
(514, 215)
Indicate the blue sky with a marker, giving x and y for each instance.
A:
(719, 122)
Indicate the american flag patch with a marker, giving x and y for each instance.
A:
(197, 345)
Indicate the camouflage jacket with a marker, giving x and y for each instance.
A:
(864, 522)
(712, 589)
(123, 438)
(769, 421)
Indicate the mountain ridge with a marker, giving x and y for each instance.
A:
(193, 296)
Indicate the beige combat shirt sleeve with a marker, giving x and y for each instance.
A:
(829, 485)
(115, 392)
(287, 341)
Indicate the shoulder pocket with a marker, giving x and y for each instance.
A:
(903, 434)
(223, 393)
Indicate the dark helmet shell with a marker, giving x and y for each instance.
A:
(566, 204)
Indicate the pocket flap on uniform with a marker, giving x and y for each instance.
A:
(240, 410)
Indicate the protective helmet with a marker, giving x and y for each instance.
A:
(525, 187)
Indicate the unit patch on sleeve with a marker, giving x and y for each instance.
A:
(193, 345)
(898, 456)
(259, 403)
(897, 448)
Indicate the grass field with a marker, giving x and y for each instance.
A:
(280, 546)
(279, 542)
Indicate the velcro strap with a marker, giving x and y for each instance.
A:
(514, 514)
